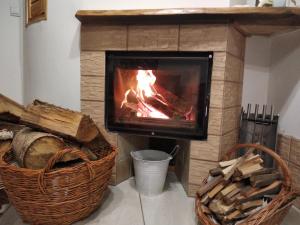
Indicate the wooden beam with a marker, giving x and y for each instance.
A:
(249, 20)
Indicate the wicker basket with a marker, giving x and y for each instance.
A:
(58, 196)
(276, 210)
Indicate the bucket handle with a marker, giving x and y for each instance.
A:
(175, 151)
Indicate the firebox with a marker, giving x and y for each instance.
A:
(163, 94)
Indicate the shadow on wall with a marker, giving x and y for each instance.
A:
(285, 66)
(75, 44)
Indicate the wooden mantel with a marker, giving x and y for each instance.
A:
(250, 21)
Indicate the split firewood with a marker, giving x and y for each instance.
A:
(205, 210)
(273, 188)
(210, 185)
(215, 171)
(218, 207)
(265, 179)
(232, 216)
(231, 187)
(10, 110)
(264, 171)
(228, 163)
(249, 169)
(229, 172)
(251, 204)
(234, 192)
(232, 199)
(239, 177)
(60, 121)
(233, 161)
(248, 190)
(255, 210)
(205, 199)
(216, 190)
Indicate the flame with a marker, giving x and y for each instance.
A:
(145, 89)
(145, 81)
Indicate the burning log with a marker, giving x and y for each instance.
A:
(153, 101)
(158, 105)
(180, 106)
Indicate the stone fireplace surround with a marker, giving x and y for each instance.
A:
(228, 46)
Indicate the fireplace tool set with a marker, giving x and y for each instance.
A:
(259, 127)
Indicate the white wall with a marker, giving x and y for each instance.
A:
(284, 85)
(11, 51)
(51, 48)
(256, 71)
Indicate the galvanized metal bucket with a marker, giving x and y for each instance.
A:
(151, 167)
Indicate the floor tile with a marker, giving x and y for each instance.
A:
(121, 207)
(172, 207)
(293, 217)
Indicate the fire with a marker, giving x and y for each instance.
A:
(145, 81)
(143, 92)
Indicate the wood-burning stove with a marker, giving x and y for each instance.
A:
(158, 93)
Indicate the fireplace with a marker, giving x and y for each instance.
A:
(107, 53)
(162, 94)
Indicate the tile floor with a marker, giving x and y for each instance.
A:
(124, 206)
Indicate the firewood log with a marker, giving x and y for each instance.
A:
(273, 188)
(249, 169)
(250, 204)
(165, 109)
(228, 163)
(205, 199)
(34, 149)
(12, 127)
(239, 177)
(232, 198)
(181, 106)
(215, 171)
(232, 216)
(264, 180)
(229, 171)
(216, 190)
(264, 171)
(231, 187)
(10, 110)
(60, 121)
(206, 210)
(218, 207)
(209, 185)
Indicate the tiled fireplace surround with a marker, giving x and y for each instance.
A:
(228, 45)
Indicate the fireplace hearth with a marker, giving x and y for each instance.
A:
(162, 94)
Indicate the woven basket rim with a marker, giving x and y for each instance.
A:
(12, 167)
